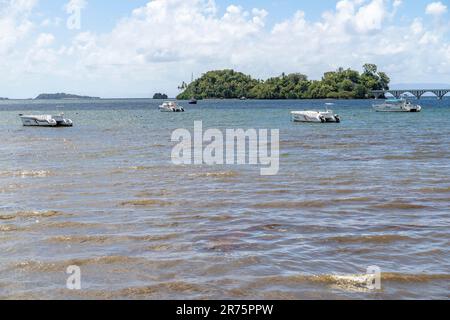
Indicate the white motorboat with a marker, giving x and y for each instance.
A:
(397, 105)
(316, 116)
(170, 106)
(45, 121)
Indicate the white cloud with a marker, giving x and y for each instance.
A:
(436, 9)
(417, 26)
(54, 22)
(158, 45)
(397, 3)
(14, 22)
(371, 16)
(196, 35)
(42, 57)
(45, 39)
(19, 6)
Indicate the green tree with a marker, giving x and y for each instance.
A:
(360, 91)
(339, 84)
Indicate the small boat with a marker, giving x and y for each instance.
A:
(327, 116)
(397, 105)
(45, 121)
(193, 101)
(170, 106)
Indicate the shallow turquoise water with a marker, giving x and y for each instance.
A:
(104, 195)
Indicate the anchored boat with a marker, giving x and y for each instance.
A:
(397, 105)
(327, 116)
(170, 106)
(45, 121)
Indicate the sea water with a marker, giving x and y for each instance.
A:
(105, 196)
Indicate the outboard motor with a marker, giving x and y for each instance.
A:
(338, 119)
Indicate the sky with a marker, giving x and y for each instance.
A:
(134, 48)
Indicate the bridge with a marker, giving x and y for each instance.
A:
(418, 93)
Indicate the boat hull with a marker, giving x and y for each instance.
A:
(38, 122)
(397, 106)
(45, 121)
(304, 118)
(397, 110)
(315, 117)
(163, 109)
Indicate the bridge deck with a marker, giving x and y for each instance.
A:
(418, 93)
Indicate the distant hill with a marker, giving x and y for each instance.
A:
(160, 96)
(1, 98)
(61, 96)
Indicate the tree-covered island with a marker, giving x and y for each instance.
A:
(339, 84)
(159, 96)
(62, 96)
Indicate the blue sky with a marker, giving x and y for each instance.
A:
(132, 48)
(101, 15)
(279, 9)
